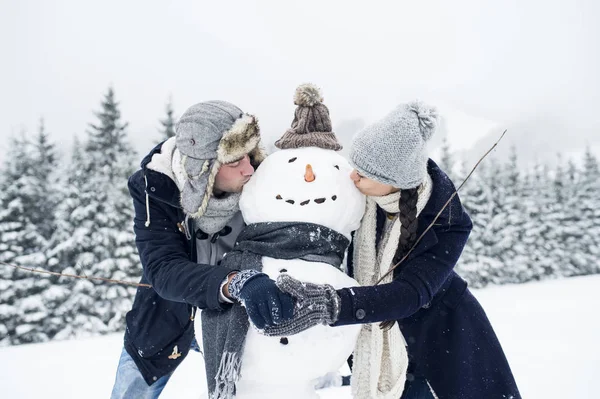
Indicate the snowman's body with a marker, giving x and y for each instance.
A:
(282, 191)
(287, 367)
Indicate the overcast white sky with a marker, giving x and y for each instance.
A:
(501, 61)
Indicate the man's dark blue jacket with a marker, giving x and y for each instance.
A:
(160, 326)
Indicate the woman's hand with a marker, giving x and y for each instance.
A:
(315, 304)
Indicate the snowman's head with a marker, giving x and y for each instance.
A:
(304, 185)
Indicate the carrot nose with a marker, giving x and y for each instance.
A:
(309, 174)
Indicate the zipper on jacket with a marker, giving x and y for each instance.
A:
(212, 249)
(194, 258)
(192, 239)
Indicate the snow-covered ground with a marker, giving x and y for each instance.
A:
(549, 330)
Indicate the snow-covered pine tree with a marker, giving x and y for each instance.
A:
(491, 233)
(564, 235)
(114, 254)
(167, 129)
(21, 243)
(568, 191)
(45, 173)
(508, 246)
(63, 244)
(538, 228)
(71, 300)
(37, 309)
(572, 174)
(475, 264)
(100, 240)
(587, 199)
(447, 162)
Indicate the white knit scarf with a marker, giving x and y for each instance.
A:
(380, 357)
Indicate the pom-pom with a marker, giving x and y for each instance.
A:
(428, 118)
(307, 95)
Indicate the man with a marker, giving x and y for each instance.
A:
(186, 198)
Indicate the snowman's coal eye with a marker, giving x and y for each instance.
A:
(292, 160)
(337, 167)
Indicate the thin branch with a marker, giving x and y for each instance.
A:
(440, 212)
(105, 280)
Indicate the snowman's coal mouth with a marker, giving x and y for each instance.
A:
(306, 202)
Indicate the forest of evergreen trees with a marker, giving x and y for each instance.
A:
(76, 220)
(528, 225)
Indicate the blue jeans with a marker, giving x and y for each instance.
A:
(129, 383)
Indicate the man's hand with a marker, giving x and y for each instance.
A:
(265, 303)
(316, 304)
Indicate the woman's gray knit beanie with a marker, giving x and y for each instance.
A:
(393, 150)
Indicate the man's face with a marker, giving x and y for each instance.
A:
(232, 176)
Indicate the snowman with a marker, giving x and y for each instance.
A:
(306, 182)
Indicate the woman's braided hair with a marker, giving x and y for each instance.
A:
(408, 221)
(408, 230)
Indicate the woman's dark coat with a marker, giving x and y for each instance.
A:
(450, 340)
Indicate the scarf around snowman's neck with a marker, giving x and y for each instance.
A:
(224, 332)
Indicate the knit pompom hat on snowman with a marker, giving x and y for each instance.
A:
(311, 126)
(394, 150)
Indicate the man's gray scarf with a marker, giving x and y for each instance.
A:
(219, 212)
(224, 332)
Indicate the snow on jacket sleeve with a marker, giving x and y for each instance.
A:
(419, 278)
(164, 253)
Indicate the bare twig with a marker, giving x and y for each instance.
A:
(105, 280)
(440, 212)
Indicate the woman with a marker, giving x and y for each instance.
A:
(452, 349)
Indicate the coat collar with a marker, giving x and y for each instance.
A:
(153, 151)
(160, 186)
(442, 190)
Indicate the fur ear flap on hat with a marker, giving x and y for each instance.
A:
(428, 118)
(243, 138)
